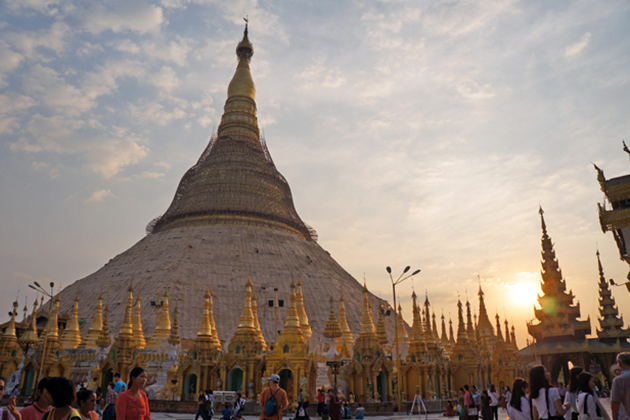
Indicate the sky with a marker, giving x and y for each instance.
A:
(421, 133)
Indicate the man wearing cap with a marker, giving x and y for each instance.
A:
(280, 396)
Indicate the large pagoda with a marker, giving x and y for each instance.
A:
(232, 217)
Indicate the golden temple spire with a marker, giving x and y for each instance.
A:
(462, 334)
(259, 332)
(451, 336)
(470, 329)
(484, 326)
(53, 328)
(29, 337)
(304, 324)
(291, 339)
(293, 321)
(173, 338)
(416, 326)
(332, 329)
(346, 341)
(429, 335)
(246, 319)
(95, 327)
(435, 330)
(138, 332)
(72, 335)
(444, 340)
(126, 329)
(242, 83)
(103, 338)
(507, 332)
(513, 337)
(216, 343)
(163, 326)
(367, 323)
(9, 331)
(499, 334)
(205, 329)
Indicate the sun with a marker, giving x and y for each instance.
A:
(523, 293)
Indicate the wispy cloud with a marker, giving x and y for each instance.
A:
(575, 49)
(99, 195)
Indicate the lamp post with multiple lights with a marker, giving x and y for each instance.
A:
(396, 282)
(37, 287)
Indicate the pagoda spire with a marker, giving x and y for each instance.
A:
(246, 336)
(293, 320)
(429, 333)
(444, 340)
(291, 339)
(251, 192)
(95, 327)
(451, 336)
(103, 338)
(381, 331)
(205, 329)
(162, 328)
(417, 335)
(53, 329)
(499, 335)
(29, 337)
(435, 330)
(470, 329)
(484, 326)
(173, 338)
(138, 333)
(462, 333)
(507, 331)
(557, 316)
(246, 319)
(610, 322)
(126, 329)
(259, 332)
(9, 339)
(346, 341)
(304, 324)
(332, 329)
(513, 338)
(71, 338)
(216, 343)
(367, 324)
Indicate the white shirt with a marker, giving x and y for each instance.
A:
(9, 415)
(524, 414)
(494, 398)
(541, 403)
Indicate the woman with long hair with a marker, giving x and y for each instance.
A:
(494, 401)
(518, 405)
(587, 401)
(486, 411)
(545, 398)
(133, 403)
(570, 399)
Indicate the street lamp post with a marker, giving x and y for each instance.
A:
(37, 287)
(335, 368)
(396, 282)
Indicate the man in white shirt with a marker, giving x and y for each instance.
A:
(620, 390)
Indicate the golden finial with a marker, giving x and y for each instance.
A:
(103, 338)
(346, 340)
(246, 319)
(173, 338)
(417, 335)
(53, 328)
(259, 333)
(138, 332)
(304, 324)
(205, 330)
(381, 331)
(402, 330)
(126, 329)
(163, 326)
(9, 332)
(29, 337)
(95, 327)
(332, 329)
(216, 343)
(367, 323)
(72, 335)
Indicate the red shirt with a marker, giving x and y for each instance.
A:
(129, 407)
(321, 397)
(32, 412)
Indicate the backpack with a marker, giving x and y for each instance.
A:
(271, 407)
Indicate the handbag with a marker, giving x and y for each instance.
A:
(472, 411)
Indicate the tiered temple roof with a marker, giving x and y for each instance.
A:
(610, 322)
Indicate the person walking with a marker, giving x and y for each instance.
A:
(334, 405)
(133, 403)
(486, 411)
(119, 385)
(41, 403)
(239, 406)
(321, 401)
(273, 393)
(587, 402)
(545, 398)
(518, 405)
(570, 398)
(109, 410)
(615, 371)
(87, 402)
(202, 406)
(494, 401)
(63, 394)
(620, 390)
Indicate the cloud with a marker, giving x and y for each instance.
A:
(575, 49)
(99, 195)
(319, 75)
(9, 61)
(175, 51)
(110, 155)
(52, 38)
(165, 79)
(151, 175)
(43, 6)
(156, 113)
(121, 16)
(472, 90)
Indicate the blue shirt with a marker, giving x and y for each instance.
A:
(227, 413)
(120, 386)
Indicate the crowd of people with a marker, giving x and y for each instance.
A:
(539, 399)
(57, 398)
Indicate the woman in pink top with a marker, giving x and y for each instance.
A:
(133, 403)
(40, 405)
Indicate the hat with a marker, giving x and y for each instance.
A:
(274, 378)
